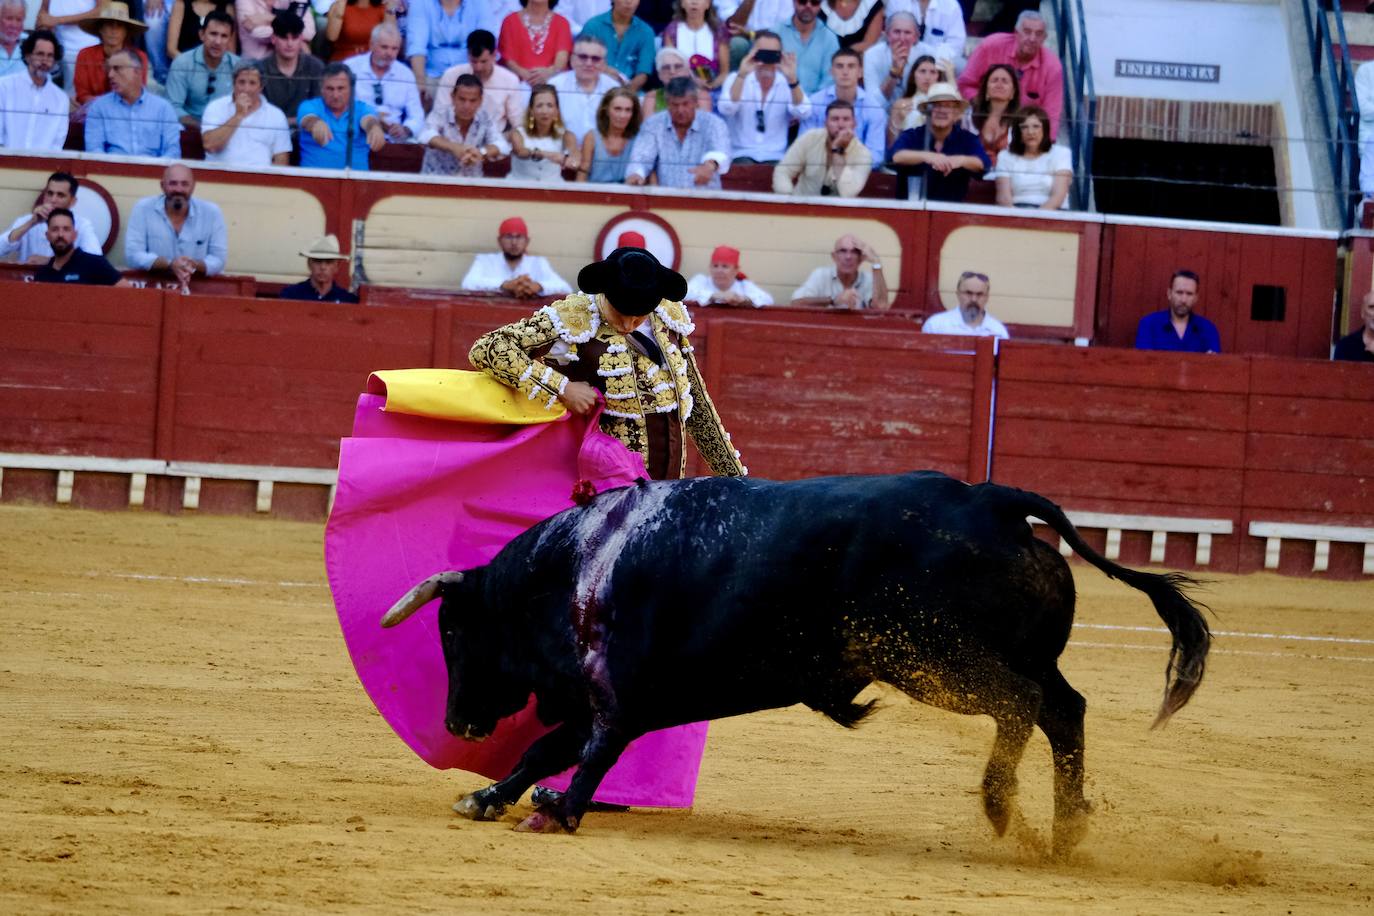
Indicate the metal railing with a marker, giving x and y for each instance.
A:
(1080, 99)
(1333, 78)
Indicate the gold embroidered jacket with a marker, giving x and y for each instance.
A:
(524, 354)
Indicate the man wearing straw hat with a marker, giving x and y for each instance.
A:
(937, 160)
(323, 258)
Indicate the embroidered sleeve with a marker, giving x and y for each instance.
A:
(704, 425)
(504, 354)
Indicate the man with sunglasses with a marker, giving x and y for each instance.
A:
(843, 285)
(970, 318)
(581, 88)
(811, 42)
(205, 72)
(761, 99)
(628, 40)
(389, 85)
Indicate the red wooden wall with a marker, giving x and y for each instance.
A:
(1137, 262)
(154, 374)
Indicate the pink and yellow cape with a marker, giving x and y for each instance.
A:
(443, 469)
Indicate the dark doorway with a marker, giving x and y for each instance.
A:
(1205, 181)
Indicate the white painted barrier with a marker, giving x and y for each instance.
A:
(1275, 533)
(1159, 526)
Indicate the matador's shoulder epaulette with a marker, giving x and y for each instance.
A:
(674, 315)
(575, 317)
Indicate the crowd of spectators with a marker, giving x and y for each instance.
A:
(668, 92)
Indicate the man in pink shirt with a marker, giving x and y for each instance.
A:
(1042, 77)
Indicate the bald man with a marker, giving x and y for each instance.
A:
(843, 285)
(176, 233)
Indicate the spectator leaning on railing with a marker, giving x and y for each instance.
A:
(461, 137)
(322, 259)
(542, 148)
(726, 284)
(389, 85)
(173, 232)
(606, 150)
(336, 122)
(512, 270)
(33, 109)
(940, 155)
(684, 146)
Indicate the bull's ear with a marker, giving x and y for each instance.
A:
(420, 595)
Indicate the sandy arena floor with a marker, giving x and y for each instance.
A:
(183, 733)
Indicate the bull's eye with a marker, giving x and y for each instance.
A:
(448, 634)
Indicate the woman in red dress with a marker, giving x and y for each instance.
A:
(535, 43)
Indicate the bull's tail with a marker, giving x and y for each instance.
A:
(1181, 614)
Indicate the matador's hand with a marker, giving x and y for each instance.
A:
(579, 397)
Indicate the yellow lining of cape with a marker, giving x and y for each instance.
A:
(459, 394)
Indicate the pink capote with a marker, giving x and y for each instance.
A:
(418, 496)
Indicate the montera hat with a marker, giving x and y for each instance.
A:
(324, 248)
(633, 281)
(942, 92)
(113, 12)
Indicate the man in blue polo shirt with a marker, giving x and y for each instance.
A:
(325, 124)
(629, 42)
(1177, 328)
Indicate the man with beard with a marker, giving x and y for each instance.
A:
(33, 111)
(70, 264)
(171, 232)
(514, 272)
(829, 161)
(27, 235)
(1178, 327)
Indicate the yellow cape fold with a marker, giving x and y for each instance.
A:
(458, 394)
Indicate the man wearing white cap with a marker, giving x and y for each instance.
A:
(511, 270)
(940, 156)
(323, 258)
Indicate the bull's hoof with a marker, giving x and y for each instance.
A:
(543, 822)
(475, 808)
(1069, 832)
(998, 811)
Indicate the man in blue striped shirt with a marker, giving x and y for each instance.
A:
(129, 120)
(684, 146)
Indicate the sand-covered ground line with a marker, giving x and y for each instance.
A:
(182, 732)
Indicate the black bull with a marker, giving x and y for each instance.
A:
(666, 603)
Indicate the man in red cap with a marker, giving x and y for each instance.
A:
(624, 337)
(512, 271)
(726, 284)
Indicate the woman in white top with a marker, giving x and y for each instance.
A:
(1031, 172)
(702, 39)
(542, 147)
(858, 24)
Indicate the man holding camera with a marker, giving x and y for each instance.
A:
(761, 99)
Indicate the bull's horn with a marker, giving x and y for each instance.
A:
(419, 596)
